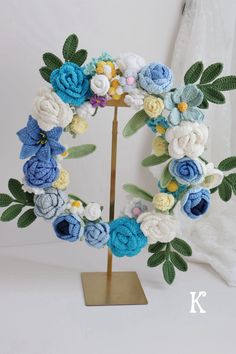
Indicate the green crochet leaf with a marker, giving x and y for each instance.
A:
(12, 212)
(156, 247)
(181, 247)
(74, 197)
(79, 57)
(15, 187)
(45, 73)
(225, 190)
(137, 192)
(70, 46)
(211, 94)
(213, 190)
(225, 83)
(5, 200)
(211, 72)
(178, 261)
(168, 272)
(228, 164)
(232, 181)
(156, 259)
(154, 160)
(166, 177)
(27, 218)
(193, 73)
(52, 61)
(80, 151)
(135, 123)
(204, 104)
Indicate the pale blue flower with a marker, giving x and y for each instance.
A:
(196, 202)
(50, 204)
(97, 234)
(155, 78)
(187, 171)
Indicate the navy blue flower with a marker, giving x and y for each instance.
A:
(126, 237)
(97, 234)
(40, 174)
(37, 142)
(68, 227)
(196, 202)
(187, 171)
(71, 84)
(155, 78)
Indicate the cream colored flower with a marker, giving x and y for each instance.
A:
(50, 111)
(86, 110)
(187, 139)
(213, 176)
(163, 201)
(92, 211)
(100, 84)
(158, 226)
(63, 180)
(130, 61)
(135, 99)
(153, 106)
(78, 125)
(159, 146)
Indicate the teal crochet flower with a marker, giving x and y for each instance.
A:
(182, 104)
(180, 188)
(90, 68)
(158, 125)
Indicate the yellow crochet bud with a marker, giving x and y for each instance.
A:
(65, 154)
(76, 203)
(153, 106)
(182, 106)
(63, 180)
(78, 125)
(172, 186)
(163, 201)
(159, 146)
(115, 83)
(160, 129)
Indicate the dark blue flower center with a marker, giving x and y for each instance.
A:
(200, 208)
(63, 228)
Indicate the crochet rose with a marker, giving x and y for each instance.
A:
(213, 176)
(155, 78)
(187, 171)
(126, 238)
(50, 111)
(40, 174)
(187, 139)
(135, 99)
(153, 106)
(158, 226)
(50, 204)
(97, 234)
(163, 201)
(196, 202)
(68, 227)
(86, 110)
(92, 211)
(183, 104)
(70, 83)
(131, 62)
(100, 84)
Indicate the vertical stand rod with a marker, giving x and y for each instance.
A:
(112, 181)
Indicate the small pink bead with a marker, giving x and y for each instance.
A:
(130, 80)
(136, 211)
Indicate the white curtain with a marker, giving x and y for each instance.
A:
(207, 33)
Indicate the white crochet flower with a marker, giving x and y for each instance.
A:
(135, 99)
(158, 226)
(86, 110)
(213, 176)
(100, 84)
(50, 111)
(187, 139)
(92, 211)
(35, 190)
(131, 62)
(76, 207)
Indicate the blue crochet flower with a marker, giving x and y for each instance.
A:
(126, 238)
(38, 142)
(68, 227)
(155, 78)
(196, 202)
(158, 125)
(187, 171)
(50, 204)
(71, 84)
(182, 104)
(40, 174)
(177, 193)
(97, 234)
(90, 68)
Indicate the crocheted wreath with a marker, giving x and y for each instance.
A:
(75, 93)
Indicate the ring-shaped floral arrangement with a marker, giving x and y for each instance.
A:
(175, 116)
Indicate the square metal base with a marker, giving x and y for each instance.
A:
(121, 288)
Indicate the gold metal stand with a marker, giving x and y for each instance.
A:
(113, 288)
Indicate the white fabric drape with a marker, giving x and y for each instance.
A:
(207, 33)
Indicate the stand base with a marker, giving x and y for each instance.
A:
(121, 288)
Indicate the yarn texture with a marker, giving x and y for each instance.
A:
(196, 202)
(68, 227)
(155, 78)
(97, 234)
(40, 174)
(50, 204)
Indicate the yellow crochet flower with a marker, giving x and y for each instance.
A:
(172, 186)
(63, 180)
(78, 125)
(163, 201)
(115, 90)
(107, 68)
(153, 106)
(159, 146)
